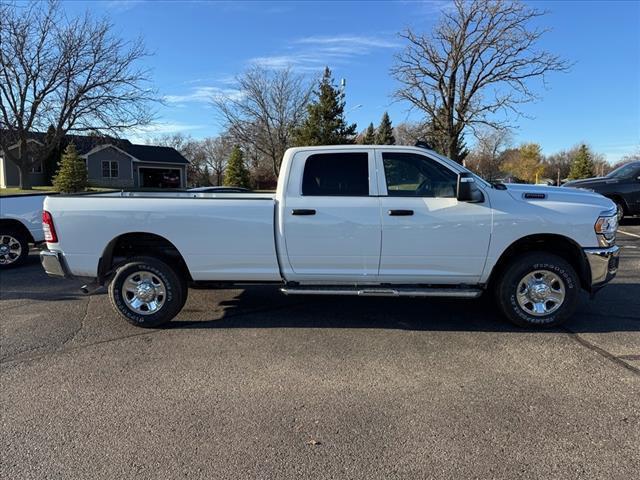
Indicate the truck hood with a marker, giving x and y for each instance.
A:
(543, 193)
(590, 182)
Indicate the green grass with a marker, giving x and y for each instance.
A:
(43, 189)
(17, 191)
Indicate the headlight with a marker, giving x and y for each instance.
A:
(606, 228)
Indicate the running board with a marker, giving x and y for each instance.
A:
(385, 292)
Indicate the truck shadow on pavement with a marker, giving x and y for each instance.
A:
(260, 307)
(29, 282)
(615, 309)
(630, 221)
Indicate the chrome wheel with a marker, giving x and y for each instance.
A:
(144, 292)
(10, 249)
(540, 293)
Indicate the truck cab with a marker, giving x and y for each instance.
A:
(393, 212)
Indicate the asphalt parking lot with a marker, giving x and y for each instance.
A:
(251, 384)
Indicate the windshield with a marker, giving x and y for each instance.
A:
(624, 171)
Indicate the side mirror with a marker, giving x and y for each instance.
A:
(468, 190)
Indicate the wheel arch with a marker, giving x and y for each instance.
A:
(560, 245)
(6, 223)
(134, 244)
(618, 198)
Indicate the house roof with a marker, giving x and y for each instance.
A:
(152, 153)
(145, 153)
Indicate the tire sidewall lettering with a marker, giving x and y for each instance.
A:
(137, 318)
(510, 289)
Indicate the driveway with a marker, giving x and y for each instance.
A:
(251, 384)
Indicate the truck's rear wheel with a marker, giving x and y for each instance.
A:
(147, 292)
(538, 290)
(14, 248)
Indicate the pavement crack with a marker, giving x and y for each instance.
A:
(21, 358)
(601, 351)
(81, 325)
(629, 357)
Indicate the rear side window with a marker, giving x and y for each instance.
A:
(336, 174)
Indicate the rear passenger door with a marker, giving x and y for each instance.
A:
(331, 217)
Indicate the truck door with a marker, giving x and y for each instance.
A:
(330, 219)
(634, 192)
(427, 235)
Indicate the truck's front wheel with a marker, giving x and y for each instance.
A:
(538, 290)
(147, 292)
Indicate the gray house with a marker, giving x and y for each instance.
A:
(112, 163)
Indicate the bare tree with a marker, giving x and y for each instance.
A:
(64, 75)
(271, 103)
(486, 157)
(476, 63)
(631, 157)
(193, 150)
(217, 151)
(558, 165)
(177, 140)
(408, 133)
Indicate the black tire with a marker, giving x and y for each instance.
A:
(185, 294)
(8, 257)
(175, 289)
(620, 210)
(507, 289)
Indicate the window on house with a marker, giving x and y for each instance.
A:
(110, 169)
(336, 174)
(37, 168)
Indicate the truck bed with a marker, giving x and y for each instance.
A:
(221, 236)
(184, 194)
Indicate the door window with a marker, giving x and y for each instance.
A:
(336, 174)
(413, 175)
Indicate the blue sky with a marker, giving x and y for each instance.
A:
(200, 46)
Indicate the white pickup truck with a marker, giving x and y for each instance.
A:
(345, 220)
(20, 225)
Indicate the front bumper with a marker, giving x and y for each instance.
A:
(54, 264)
(603, 263)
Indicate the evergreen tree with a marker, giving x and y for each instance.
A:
(72, 174)
(582, 165)
(369, 137)
(385, 131)
(325, 123)
(236, 174)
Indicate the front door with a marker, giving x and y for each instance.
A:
(428, 236)
(331, 219)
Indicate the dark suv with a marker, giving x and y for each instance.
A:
(622, 186)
